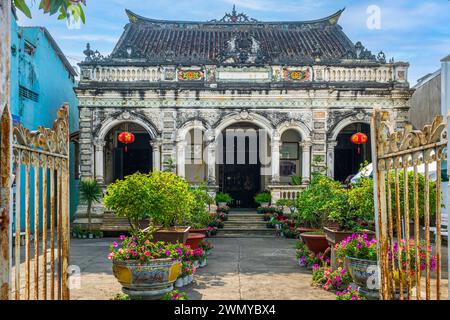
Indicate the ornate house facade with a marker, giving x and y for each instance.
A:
(305, 84)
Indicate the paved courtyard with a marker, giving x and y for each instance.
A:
(238, 268)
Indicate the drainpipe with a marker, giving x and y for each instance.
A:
(445, 110)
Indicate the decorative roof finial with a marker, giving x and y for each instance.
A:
(235, 17)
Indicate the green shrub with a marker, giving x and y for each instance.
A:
(161, 196)
(263, 197)
(200, 216)
(323, 200)
(223, 197)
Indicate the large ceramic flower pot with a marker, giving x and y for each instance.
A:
(148, 281)
(361, 270)
(333, 236)
(301, 230)
(174, 235)
(194, 240)
(316, 243)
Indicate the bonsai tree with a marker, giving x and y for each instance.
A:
(90, 192)
(200, 216)
(263, 197)
(129, 198)
(223, 197)
(323, 200)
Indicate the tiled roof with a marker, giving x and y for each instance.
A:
(235, 39)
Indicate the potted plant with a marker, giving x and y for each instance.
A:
(313, 208)
(145, 269)
(263, 198)
(359, 256)
(200, 216)
(223, 199)
(163, 197)
(90, 192)
(354, 216)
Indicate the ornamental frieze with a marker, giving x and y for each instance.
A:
(234, 103)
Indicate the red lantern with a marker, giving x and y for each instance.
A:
(358, 139)
(126, 138)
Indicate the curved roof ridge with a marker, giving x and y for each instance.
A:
(331, 19)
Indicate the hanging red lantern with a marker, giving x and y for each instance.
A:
(126, 138)
(359, 138)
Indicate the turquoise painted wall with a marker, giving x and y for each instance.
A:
(40, 84)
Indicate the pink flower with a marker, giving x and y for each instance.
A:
(122, 237)
(115, 244)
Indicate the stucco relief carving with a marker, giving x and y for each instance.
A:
(335, 117)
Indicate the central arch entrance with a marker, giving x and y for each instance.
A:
(240, 167)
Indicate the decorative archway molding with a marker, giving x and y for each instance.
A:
(188, 126)
(346, 122)
(295, 125)
(111, 122)
(245, 117)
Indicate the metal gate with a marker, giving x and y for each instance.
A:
(40, 248)
(403, 195)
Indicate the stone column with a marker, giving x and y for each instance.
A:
(156, 145)
(306, 161)
(211, 163)
(86, 144)
(99, 161)
(181, 157)
(275, 155)
(330, 158)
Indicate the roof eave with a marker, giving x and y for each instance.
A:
(331, 19)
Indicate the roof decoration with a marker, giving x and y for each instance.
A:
(235, 17)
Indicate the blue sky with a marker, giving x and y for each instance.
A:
(411, 30)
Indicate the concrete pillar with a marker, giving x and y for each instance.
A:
(156, 149)
(275, 145)
(99, 161)
(330, 158)
(306, 161)
(181, 158)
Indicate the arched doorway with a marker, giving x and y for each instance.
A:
(290, 156)
(240, 166)
(119, 162)
(347, 159)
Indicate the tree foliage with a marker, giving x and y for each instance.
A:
(71, 10)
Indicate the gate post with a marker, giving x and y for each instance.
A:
(5, 152)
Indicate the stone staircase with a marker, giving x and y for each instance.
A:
(245, 224)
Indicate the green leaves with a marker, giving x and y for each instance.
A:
(70, 10)
(161, 196)
(90, 191)
(22, 6)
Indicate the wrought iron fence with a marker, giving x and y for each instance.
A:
(407, 185)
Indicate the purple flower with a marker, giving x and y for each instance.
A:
(115, 244)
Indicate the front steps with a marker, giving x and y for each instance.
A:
(245, 224)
